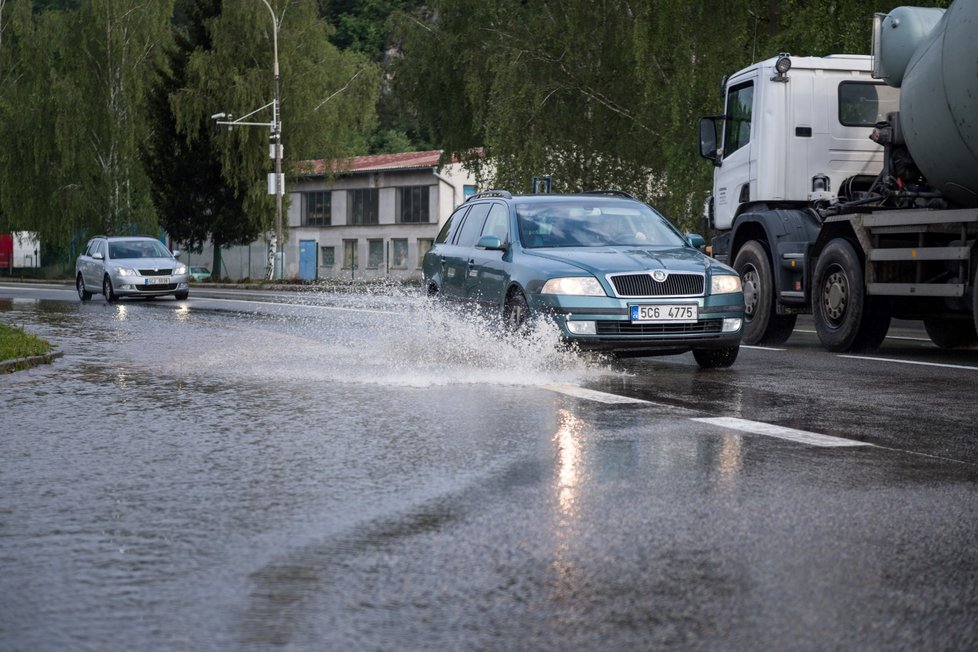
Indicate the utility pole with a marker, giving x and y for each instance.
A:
(279, 185)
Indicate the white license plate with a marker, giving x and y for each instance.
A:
(675, 313)
(157, 280)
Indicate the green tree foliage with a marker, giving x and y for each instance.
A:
(194, 201)
(74, 90)
(327, 96)
(601, 93)
(364, 26)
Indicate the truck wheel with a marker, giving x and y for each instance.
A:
(974, 301)
(762, 324)
(716, 358)
(845, 318)
(951, 334)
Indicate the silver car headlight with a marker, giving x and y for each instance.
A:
(125, 271)
(180, 269)
(587, 286)
(725, 284)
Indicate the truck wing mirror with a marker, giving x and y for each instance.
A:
(708, 139)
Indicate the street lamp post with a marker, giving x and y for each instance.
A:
(277, 144)
(278, 185)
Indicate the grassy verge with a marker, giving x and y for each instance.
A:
(15, 343)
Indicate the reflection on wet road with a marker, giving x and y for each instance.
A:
(374, 473)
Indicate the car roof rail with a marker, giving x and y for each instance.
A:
(505, 194)
(612, 192)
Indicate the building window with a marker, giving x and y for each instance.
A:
(362, 206)
(467, 191)
(424, 244)
(412, 205)
(375, 254)
(399, 254)
(327, 256)
(350, 254)
(317, 208)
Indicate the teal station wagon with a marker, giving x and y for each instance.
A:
(612, 272)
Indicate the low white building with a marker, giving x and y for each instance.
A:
(371, 217)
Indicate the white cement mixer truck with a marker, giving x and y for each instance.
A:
(846, 186)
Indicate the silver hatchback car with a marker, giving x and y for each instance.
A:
(130, 266)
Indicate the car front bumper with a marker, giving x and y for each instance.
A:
(604, 323)
(148, 286)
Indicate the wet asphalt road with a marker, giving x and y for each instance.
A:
(311, 472)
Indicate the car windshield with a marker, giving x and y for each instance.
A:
(587, 223)
(137, 249)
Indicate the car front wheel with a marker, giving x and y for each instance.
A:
(516, 312)
(716, 358)
(107, 290)
(83, 294)
(180, 296)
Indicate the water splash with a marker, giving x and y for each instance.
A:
(398, 339)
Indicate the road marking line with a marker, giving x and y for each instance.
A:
(889, 337)
(922, 364)
(790, 434)
(593, 395)
(760, 348)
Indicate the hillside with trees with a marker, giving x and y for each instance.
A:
(106, 105)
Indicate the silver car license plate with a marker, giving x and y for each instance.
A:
(157, 280)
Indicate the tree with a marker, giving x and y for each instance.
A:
(327, 96)
(74, 86)
(545, 88)
(600, 93)
(194, 201)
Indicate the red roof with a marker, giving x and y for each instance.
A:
(373, 163)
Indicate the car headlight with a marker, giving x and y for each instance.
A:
(577, 285)
(180, 269)
(725, 284)
(125, 271)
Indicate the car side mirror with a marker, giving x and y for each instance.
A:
(696, 241)
(708, 139)
(490, 242)
(176, 253)
(98, 256)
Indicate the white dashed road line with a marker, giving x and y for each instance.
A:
(914, 362)
(790, 434)
(592, 395)
(755, 427)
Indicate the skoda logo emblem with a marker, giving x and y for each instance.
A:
(659, 276)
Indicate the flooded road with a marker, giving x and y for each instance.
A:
(371, 472)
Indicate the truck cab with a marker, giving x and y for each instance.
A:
(795, 130)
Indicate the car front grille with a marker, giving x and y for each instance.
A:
(643, 285)
(155, 272)
(157, 288)
(706, 326)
